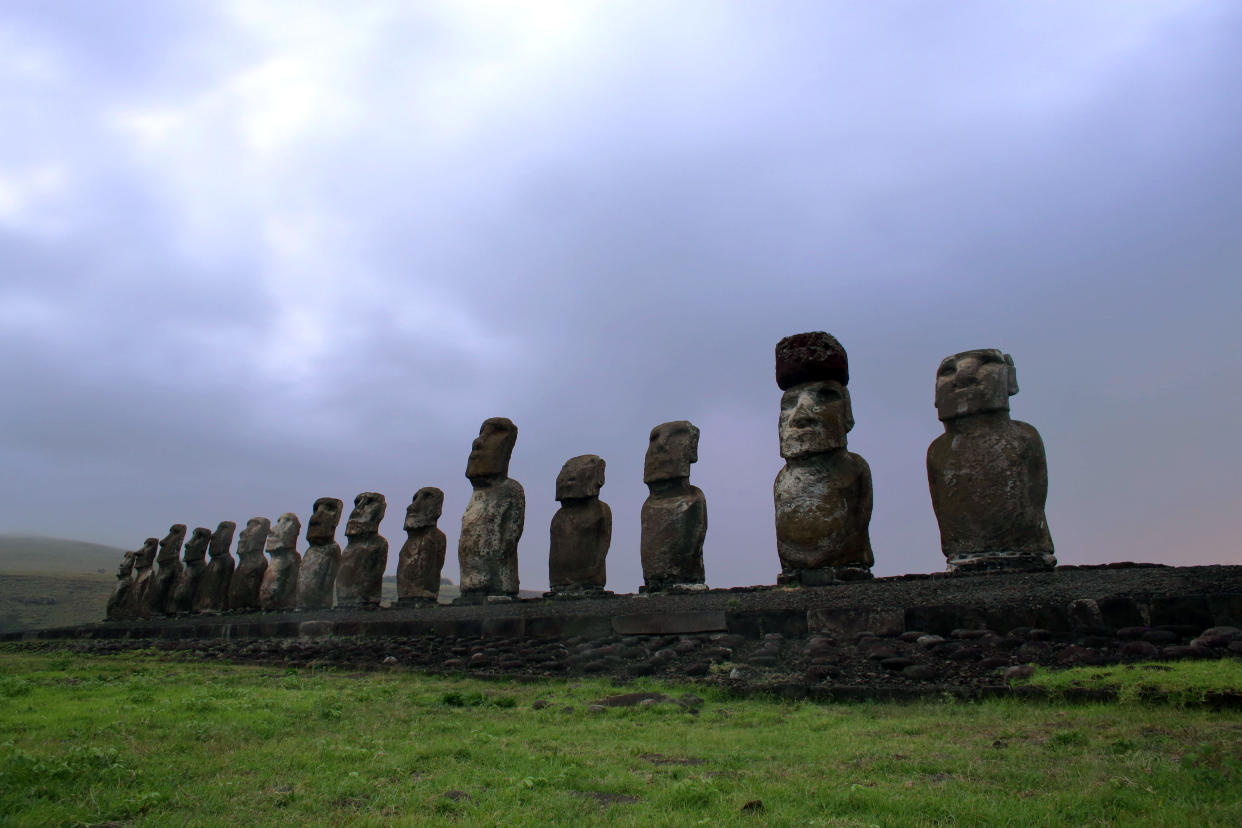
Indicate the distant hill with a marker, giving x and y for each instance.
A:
(30, 554)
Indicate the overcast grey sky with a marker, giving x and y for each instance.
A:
(254, 253)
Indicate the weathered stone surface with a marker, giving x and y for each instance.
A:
(495, 516)
(144, 558)
(159, 595)
(674, 515)
(120, 603)
(322, 561)
(581, 530)
(360, 581)
(279, 587)
(823, 495)
(987, 473)
(422, 555)
(251, 564)
(212, 594)
(192, 569)
(851, 620)
(669, 623)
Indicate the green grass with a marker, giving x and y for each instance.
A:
(1179, 683)
(148, 740)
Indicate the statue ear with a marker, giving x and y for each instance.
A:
(1013, 375)
(849, 410)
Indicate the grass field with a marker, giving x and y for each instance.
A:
(145, 740)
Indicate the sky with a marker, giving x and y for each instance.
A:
(255, 253)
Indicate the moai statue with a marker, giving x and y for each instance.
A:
(159, 594)
(251, 564)
(422, 554)
(988, 474)
(360, 582)
(212, 594)
(120, 607)
(317, 578)
(674, 515)
(142, 575)
(492, 523)
(581, 531)
(192, 569)
(279, 588)
(823, 494)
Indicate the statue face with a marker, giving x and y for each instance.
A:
(490, 451)
(170, 546)
(323, 521)
(973, 382)
(196, 546)
(368, 511)
(580, 477)
(424, 510)
(670, 451)
(253, 536)
(284, 534)
(222, 538)
(145, 556)
(127, 565)
(815, 417)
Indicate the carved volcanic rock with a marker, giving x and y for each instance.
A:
(159, 595)
(279, 588)
(212, 594)
(120, 603)
(251, 564)
(192, 569)
(360, 581)
(322, 561)
(581, 530)
(422, 555)
(810, 356)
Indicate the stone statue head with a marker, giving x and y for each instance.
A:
(670, 451)
(490, 451)
(196, 546)
(126, 567)
(974, 382)
(170, 546)
(145, 556)
(253, 537)
(815, 417)
(368, 511)
(222, 538)
(580, 477)
(424, 510)
(806, 357)
(284, 535)
(325, 517)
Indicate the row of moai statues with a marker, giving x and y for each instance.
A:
(987, 474)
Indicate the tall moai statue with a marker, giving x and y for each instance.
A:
(279, 588)
(422, 554)
(317, 578)
(360, 581)
(987, 473)
(192, 568)
(144, 558)
(251, 564)
(494, 518)
(212, 594)
(581, 531)
(159, 594)
(674, 515)
(120, 605)
(823, 494)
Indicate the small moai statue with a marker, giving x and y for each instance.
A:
(168, 567)
(120, 607)
(212, 595)
(422, 555)
(988, 474)
(581, 531)
(144, 558)
(823, 494)
(674, 515)
(192, 568)
(494, 518)
(279, 588)
(360, 581)
(317, 578)
(251, 564)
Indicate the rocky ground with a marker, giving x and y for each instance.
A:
(963, 635)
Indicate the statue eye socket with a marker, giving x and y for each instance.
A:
(947, 370)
